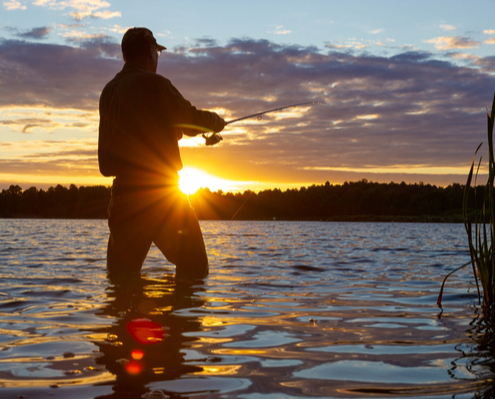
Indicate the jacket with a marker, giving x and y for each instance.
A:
(140, 112)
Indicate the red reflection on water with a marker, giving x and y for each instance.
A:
(137, 354)
(145, 331)
(134, 367)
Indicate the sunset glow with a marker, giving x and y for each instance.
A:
(192, 179)
(391, 91)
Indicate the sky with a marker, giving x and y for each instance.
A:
(400, 88)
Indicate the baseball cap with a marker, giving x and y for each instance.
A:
(136, 38)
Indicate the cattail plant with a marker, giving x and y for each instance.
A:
(481, 231)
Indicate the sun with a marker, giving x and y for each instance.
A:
(192, 179)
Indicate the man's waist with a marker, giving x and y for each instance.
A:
(146, 180)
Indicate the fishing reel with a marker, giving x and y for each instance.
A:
(212, 139)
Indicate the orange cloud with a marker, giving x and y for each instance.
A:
(429, 109)
(453, 42)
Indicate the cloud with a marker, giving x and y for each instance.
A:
(427, 113)
(13, 5)
(107, 14)
(446, 27)
(81, 32)
(279, 30)
(77, 4)
(36, 33)
(80, 15)
(82, 8)
(453, 42)
(53, 158)
(463, 56)
(28, 124)
(54, 75)
(77, 25)
(376, 31)
(81, 36)
(349, 45)
(206, 42)
(121, 29)
(487, 64)
(415, 97)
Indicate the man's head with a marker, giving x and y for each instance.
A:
(139, 45)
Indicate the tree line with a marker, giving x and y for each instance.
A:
(351, 201)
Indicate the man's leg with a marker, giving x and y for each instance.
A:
(181, 241)
(126, 253)
(130, 234)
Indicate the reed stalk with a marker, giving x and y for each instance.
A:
(481, 231)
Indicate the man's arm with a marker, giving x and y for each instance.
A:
(188, 119)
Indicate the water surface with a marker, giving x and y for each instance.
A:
(290, 309)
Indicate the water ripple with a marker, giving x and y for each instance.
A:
(290, 309)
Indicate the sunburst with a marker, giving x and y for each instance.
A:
(192, 179)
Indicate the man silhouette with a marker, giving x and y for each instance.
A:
(142, 118)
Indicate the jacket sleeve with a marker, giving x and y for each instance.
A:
(187, 119)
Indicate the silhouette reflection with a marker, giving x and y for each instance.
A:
(146, 341)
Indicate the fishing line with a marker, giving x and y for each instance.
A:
(272, 110)
(239, 209)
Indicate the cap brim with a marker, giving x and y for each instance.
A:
(160, 47)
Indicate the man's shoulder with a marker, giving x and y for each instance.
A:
(134, 81)
(133, 73)
(161, 79)
(140, 73)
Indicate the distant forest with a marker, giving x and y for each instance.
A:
(351, 201)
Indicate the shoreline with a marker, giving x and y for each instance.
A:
(340, 218)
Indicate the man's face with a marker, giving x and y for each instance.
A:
(155, 53)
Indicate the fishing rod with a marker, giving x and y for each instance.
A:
(216, 137)
(258, 115)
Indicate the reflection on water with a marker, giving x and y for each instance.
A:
(145, 344)
(290, 309)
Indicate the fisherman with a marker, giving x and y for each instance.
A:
(142, 118)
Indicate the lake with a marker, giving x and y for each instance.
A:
(290, 309)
